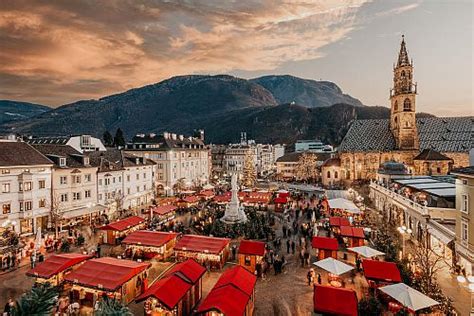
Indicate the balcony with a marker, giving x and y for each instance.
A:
(400, 199)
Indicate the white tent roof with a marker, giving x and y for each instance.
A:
(333, 266)
(344, 204)
(408, 297)
(208, 187)
(282, 191)
(366, 251)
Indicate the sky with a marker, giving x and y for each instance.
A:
(57, 52)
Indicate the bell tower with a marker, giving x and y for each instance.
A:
(402, 98)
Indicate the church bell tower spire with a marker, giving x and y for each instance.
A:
(402, 98)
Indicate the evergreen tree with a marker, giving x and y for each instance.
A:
(40, 300)
(370, 306)
(108, 139)
(249, 172)
(119, 139)
(112, 307)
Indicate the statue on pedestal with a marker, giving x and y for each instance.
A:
(234, 212)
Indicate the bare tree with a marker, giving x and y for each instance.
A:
(56, 213)
(118, 200)
(307, 168)
(249, 174)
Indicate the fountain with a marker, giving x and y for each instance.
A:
(234, 212)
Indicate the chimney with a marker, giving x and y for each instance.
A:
(173, 136)
(181, 137)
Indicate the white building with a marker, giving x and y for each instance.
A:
(25, 179)
(81, 143)
(312, 145)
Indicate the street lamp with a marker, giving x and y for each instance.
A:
(404, 231)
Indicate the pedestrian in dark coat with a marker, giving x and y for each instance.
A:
(288, 245)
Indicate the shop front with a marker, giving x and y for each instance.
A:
(115, 232)
(251, 254)
(146, 245)
(326, 247)
(211, 252)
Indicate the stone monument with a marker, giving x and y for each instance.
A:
(234, 212)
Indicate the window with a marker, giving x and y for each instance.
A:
(5, 171)
(76, 179)
(86, 161)
(87, 194)
(42, 203)
(464, 232)
(407, 105)
(119, 179)
(107, 181)
(128, 178)
(138, 176)
(64, 197)
(395, 106)
(465, 203)
(26, 206)
(87, 178)
(63, 180)
(76, 196)
(144, 176)
(6, 208)
(25, 186)
(138, 188)
(62, 162)
(128, 190)
(42, 184)
(100, 197)
(336, 175)
(5, 187)
(144, 187)
(247, 260)
(328, 174)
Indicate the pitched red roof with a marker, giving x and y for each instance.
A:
(124, 224)
(191, 199)
(260, 195)
(339, 221)
(107, 273)
(163, 209)
(56, 264)
(335, 301)
(324, 243)
(188, 270)
(240, 278)
(248, 199)
(149, 238)
(197, 243)
(207, 193)
(280, 200)
(168, 290)
(221, 198)
(349, 231)
(250, 247)
(381, 271)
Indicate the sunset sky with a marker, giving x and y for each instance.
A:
(57, 52)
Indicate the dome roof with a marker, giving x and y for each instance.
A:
(393, 167)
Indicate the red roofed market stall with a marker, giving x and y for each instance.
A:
(251, 254)
(116, 231)
(146, 244)
(336, 223)
(380, 272)
(163, 213)
(53, 269)
(329, 300)
(232, 295)
(189, 201)
(204, 249)
(327, 247)
(355, 235)
(177, 293)
(116, 278)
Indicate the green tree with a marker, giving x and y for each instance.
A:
(370, 306)
(112, 307)
(108, 139)
(119, 139)
(40, 300)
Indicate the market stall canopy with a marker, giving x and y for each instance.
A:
(338, 221)
(189, 270)
(280, 200)
(164, 209)
(208, 187)
(124, 224)
(408, 297)
(56, 264)
(170, 290)
(335, 301)
(381, 271)
(149, 238)
(344, 204)
(205, 244)
(221, 198)
(106, 273)
(333, 266)
(366, 251)
(349, 231)
(191, 199)
(324, 243)
(251, 247)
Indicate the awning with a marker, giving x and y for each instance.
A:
(345, 204)
(408, 297)
(83, 211)
(445, 239)
(335, 301)
(381, 271)
(333, 266)
(56, 264)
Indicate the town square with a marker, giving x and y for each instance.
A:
(238, 192)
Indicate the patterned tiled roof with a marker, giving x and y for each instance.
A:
(443, 134)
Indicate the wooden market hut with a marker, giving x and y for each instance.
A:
(147, 244)
(54, 268)
(207, 194)
(177, 292)
(380, 273)
(233, 294)
(222, 199)
(336, 222)
(204, 249)
(164, 213)
(189, 201)
(327, 247)
(116, 231)
(330, 300)
(355, 235)
(116, 278)
(251, 254)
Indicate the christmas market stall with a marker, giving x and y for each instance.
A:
(354, 236)
(222, 199)
(207, 194)
(189, 201)
(177, 292)
(145, 244)
(116, 278)
(251, 254)
(336, 222)
(329, 300)
(233, 294)
(280, 202)
(163, 214)
(53, 269)
(116, 231)
(380, 273)
(208, 251)
(326, 247)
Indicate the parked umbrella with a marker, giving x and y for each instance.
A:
(366, 251)
(333, 266)
(408, 297)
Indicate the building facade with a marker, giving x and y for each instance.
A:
(315, 145)
(81, 143)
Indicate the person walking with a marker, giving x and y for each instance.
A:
(309, 276)
(288, 245)
(319, 279)
(293, 246)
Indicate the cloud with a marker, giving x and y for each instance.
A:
(61, 51)
(398, 10)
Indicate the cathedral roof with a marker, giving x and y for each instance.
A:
(431, 154)
(443, 134)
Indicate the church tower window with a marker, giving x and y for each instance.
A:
(395, 106)
(407, 105)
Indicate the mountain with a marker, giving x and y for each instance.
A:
(306, 92)
(14, 110)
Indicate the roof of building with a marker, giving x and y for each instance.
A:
(149, 238)
(164, 141)
(332, 162)
(74, 158)
(468, 171)
(349, 231)
(381, 270)
(335, 301)
(251, 247)
(168, 290)
(123, 224)
(431, 154)
(324, 243)
(116, 159)
(188, 270)
(13, 153)
(239, 277)
(197, 243)
(107, 273)
(338, 221)
(164, 209)
(52, 140)
(290, 157)
(393, 168)
(443, 134)
(56, 264)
